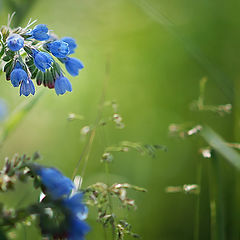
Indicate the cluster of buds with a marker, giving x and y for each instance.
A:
(15, 169)
(28, 54)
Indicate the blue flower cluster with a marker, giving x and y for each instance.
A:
(59, 188)
(33, 54)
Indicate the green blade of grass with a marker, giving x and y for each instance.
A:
(217, 143)
(17, 116)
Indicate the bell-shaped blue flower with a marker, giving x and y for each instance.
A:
(75, 205)
(56, 185)
(40, 32)
(62, 84)
(58, 48)
(18, 75)
(71, 44)
(77, 212)
(42, 60)
(27, 87)
(73, 65)
(15, 42)
(77, 229)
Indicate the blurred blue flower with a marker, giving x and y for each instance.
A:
(42, 60)
(27, 87)
(73, 65)
(40, 32)
(58, 48)
(15, 42)
(62, 84)
(77, 212)
(78, 229)
(55, 184)
(3, 109)
(71, 43)
(18, 75)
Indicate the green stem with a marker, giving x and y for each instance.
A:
(197, 221)
(216, 200)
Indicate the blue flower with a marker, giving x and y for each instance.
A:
(71, 43)
(40, 32)
(58, 48)
(62, 84)
(77, 212)
(42, 60)
(15, 42)
(3, 109)
(18, 75)
(27, 87)
(56, 185)
(73, 65)
(78, 229)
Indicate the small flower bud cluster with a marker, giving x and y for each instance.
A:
(28, 54)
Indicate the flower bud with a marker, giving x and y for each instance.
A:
(18, 75)
(62, 84)
(73, 65)
(15, 42)
(40, 32)
(71, 44)
(58, 48)
(42, 60)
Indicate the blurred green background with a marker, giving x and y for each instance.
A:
(157, 52)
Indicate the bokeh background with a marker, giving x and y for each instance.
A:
(157, 53)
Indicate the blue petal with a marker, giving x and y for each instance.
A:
(42, 60)
(18, 75)
(62, 84)
(71, 43)
(77, 229)
(59, 49)
(15, 42)
(40, 32)
(27, 87)
(56, 184)
(73, 65)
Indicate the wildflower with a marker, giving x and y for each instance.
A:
(42, 60)
(15, 42)
(73, 65)
(71, 44)
(62, 84)
(58, 48)
(77, 213)
(55, 184)
(18, 75)
(40, 32)
(27, 87)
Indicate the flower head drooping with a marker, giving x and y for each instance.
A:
(40, 32)
(62, 84)
(27, 87)
(56, 185)
(18, 75)
(73, 65)
(15, 42)
(73, 210)
(77, 213)
(71, 44)
(58, 48)
(34, 53)
(42, 60)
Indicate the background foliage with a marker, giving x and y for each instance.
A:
(157, 52)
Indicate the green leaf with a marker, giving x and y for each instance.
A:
(219, 144)
(17, 116)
